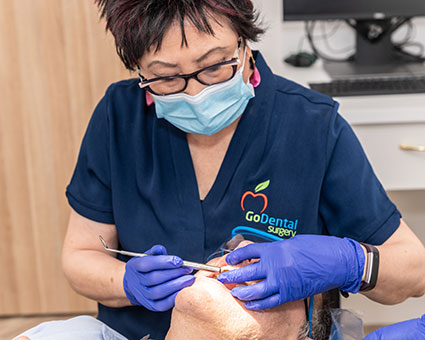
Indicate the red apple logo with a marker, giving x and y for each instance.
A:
(258, 188)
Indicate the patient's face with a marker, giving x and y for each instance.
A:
(207, 310)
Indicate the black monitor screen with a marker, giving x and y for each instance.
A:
(348, 9)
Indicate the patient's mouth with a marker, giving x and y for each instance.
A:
(214, 276)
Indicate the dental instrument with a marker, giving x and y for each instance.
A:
(190, 264)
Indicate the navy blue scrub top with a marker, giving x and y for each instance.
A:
(294, 166)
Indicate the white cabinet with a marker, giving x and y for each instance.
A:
(383, 124)
(397, 169)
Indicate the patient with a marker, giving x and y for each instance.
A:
(207, 310)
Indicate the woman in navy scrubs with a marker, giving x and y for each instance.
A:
(206, 139)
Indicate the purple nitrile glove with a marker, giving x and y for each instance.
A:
(154, 281)
(295, 269)
(407, 330)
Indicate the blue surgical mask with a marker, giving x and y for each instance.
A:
(211, 110)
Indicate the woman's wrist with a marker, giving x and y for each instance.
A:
(118, 296)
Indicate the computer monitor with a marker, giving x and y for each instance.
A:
(351, 9)
(374, 22)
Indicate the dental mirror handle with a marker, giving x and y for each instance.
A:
(190, 264)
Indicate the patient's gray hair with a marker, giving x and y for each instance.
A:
(321, 320)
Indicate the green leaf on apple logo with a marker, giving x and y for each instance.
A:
(262, 186)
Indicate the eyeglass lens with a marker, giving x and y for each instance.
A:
(210, 76)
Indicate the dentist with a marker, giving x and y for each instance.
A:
(173, 159)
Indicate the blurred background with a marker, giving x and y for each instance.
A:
(55, 64)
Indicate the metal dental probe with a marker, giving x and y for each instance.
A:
(190, 264)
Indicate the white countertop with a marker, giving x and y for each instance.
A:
(388, 109)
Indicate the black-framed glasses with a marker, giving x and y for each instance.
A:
(210, 75)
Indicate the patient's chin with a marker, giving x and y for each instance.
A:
(205, 295)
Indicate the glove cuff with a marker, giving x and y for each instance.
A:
(355, 262)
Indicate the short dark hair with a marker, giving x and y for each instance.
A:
(139, 25)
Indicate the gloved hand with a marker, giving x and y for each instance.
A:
(407, 330)
(295, 269)
(154, 281)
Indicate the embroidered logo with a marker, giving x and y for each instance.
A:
(282, 227)
(259, 187)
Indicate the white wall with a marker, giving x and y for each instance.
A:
(282, 39)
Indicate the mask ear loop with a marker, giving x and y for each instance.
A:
(310, 317)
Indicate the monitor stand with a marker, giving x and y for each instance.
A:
(375, 55)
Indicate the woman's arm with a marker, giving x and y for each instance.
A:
(401, 268)
(90, 270)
